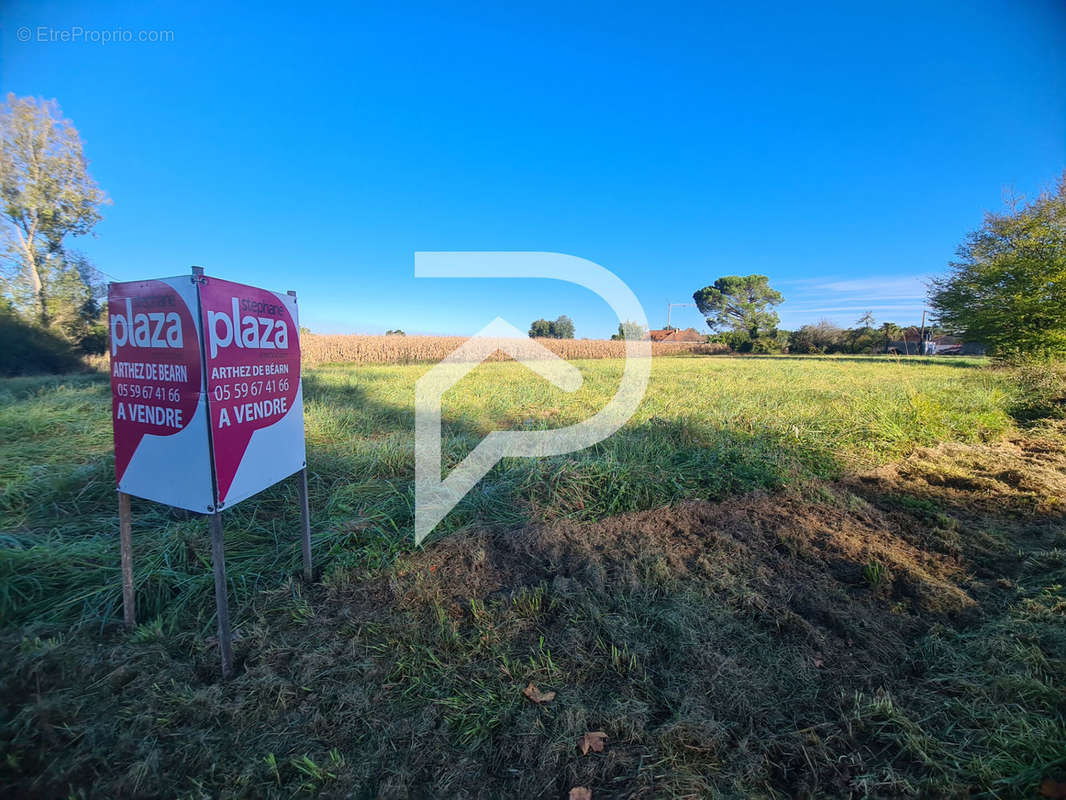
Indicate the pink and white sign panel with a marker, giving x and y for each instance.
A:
(252, 351)
(191, 444)
(157, 400)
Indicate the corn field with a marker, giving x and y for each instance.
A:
(320, 349)
(338, 349)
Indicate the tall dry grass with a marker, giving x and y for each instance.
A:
(325, 349)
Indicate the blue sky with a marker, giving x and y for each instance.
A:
(842, 149)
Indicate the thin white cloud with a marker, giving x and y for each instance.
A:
(802, 305)
(913, 283)
(851, 309)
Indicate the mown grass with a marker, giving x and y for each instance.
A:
(791, 631)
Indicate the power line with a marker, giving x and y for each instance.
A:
(671, 306)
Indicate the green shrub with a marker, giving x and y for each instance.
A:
(29, 350)
(1040, 392)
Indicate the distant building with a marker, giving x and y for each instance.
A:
(954, 346)
(675, 335)
(937, 345)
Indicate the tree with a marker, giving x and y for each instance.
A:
(1007, 286)
(825, 337)
(561, 328)
(75, 298)
(740, 304)
(46, 195)
(396, 332)
(862, 339)
(891, 333)
(630, 330)
(26, 348)
(540, 329)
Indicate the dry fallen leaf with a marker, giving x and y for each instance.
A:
(1052, 788)
(536, 695)
(592, 741)
(580, 793)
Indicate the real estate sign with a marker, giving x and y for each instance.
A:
(157, 401)
(252, 352)
(205, 383)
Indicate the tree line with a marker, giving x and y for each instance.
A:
(826, 337)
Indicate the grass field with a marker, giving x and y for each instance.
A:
(834, 576)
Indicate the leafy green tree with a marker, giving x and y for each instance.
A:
(27, 348)
(630, 330)
(563, 328)
(824, 337)
(862, 338)
(46, 195)
(737, 341)
(540, 329)
(740, 303)
(890, 332)
(775, 341)
(76, 299)
(396, 332)
(1007, 286)
(801, 341)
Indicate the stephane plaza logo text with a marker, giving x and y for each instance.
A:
(206, 405)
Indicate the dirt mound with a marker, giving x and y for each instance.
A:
(788, 544)
(844, 577)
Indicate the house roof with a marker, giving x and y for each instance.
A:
(675, 335)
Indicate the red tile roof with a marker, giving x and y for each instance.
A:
(675, 335)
